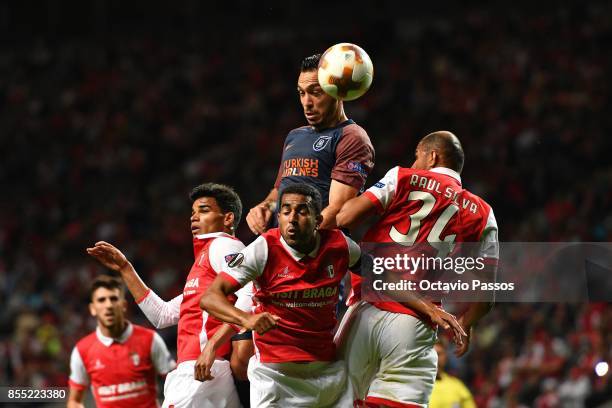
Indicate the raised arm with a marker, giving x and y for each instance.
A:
(159, 312)
(259, 216)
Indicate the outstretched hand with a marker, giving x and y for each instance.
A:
(108, 256)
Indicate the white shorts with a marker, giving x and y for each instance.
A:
(390, 356)
(281, 385)
(181, 390)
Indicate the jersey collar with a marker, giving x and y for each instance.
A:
(107, 341)
(200, 240)
(448, 172)
(213, 235)
(297, 255)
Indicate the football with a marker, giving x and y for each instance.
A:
(345, 71)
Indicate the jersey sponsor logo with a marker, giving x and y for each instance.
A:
(192, 283)
(303, 167)
(234, 260)
(356, 166)
(379, 184)
(310, 293)
(321, 143)
(122, 388)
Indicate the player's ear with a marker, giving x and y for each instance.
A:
(228, 220)
(92, 309)
(432, 159)
(319, 220)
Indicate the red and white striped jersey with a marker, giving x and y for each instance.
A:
(302, 289)
(428, 206)
(121, 371)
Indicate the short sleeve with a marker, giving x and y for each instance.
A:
(354, 251)
(489, 243)
(162, 360)
(248, 264)
(221, 250)
(244, 299)
(78, 373)
(354, 157)
(383, 191)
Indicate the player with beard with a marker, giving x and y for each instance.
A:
(120, 359)
(332, 153)
(296, 270)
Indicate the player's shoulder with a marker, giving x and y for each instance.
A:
(85, 343)
(404, 172)
(355, 132)
(454, 382)
(481, 202)
(298, 130)
(226, 239)
(334, 234)
(270, 236)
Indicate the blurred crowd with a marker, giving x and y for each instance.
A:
(103, 136)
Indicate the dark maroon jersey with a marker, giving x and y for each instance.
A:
(343, 153)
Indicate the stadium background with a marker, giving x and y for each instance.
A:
(111, 112)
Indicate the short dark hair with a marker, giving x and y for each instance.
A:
(108, 282)
(226, 197)
(306, 190)
(310, 63)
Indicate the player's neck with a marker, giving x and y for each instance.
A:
(334, 121)
(307, 247)
(114, 332)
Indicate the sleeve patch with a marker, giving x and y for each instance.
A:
(379, 184)
(234, 260)
(358, 167)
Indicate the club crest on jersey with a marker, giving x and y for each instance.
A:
(320, 143)
(330, 271)
(234, 260)
(135, 358)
